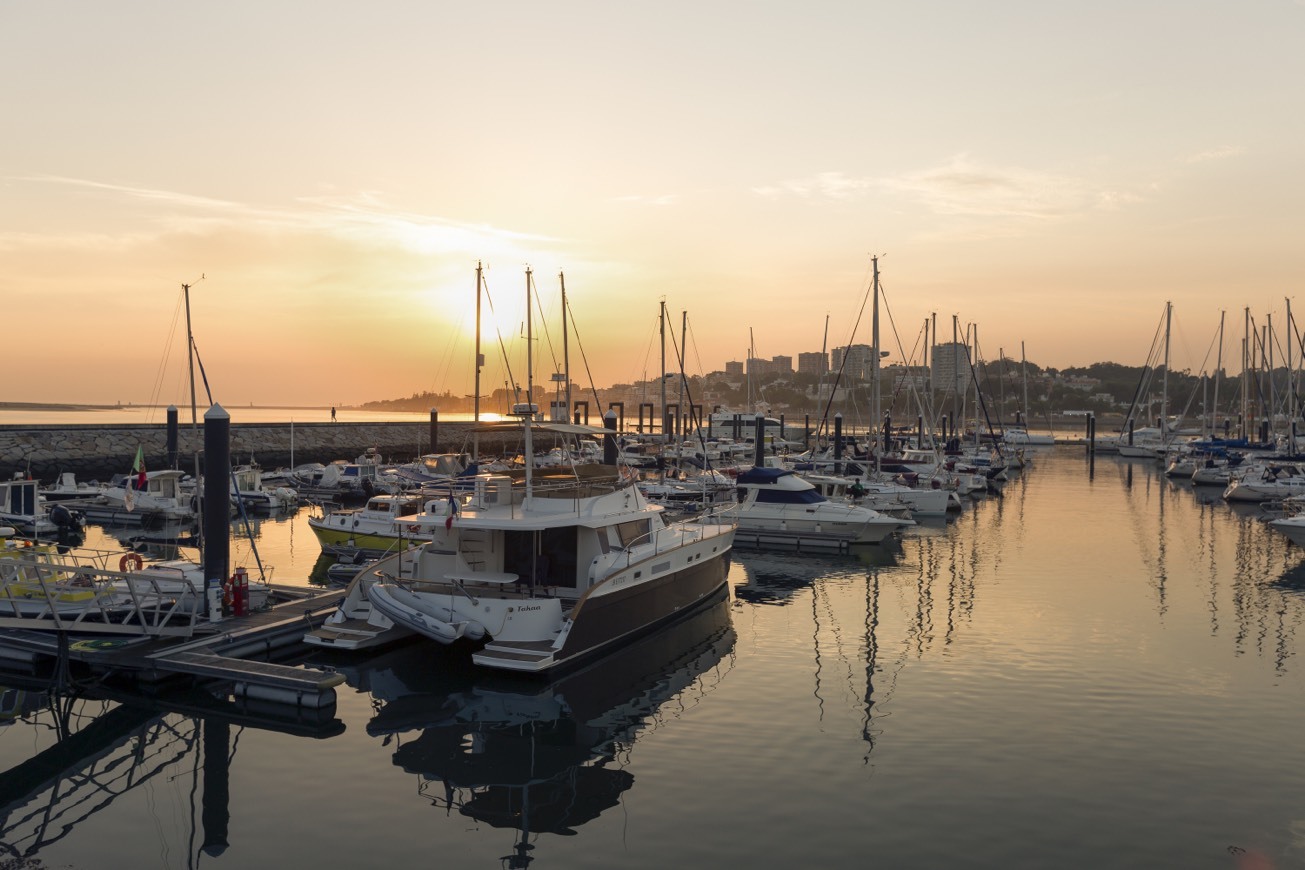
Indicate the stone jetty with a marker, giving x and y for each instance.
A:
(99, 451)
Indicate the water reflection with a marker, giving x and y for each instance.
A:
(94, 747)
(536, 757)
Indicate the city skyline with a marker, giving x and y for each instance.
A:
(327, 177)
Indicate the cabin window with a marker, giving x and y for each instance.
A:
(630, 532)
(546, 558)
(407, 510)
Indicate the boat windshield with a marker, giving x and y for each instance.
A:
(789, 496)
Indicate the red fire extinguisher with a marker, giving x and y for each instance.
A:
(242, 592)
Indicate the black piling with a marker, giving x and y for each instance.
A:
(759, 454)
(434, 430)
(216, 810)
(609, 440)
(172, 437)
(838, 444)
(217, 495)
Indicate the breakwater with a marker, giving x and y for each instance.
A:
(99, 451)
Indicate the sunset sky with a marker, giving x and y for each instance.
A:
(1051, 172)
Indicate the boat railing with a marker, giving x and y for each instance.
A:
(36, 593)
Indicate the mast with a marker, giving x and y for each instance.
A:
(479, 362)
(566, 355)
(684, 349)
(194, 416)
(1291, 390)
(1246, 386)
(1164, 388)
(876, 399)
(1024, 378)
(1218, 372)
(661, 326)
(529, 416)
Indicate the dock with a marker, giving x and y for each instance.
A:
(215, 651)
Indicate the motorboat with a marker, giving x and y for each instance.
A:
(248, 489)
(778, 508)
(1267, 481)
(374, 529)
(25, 508)
(162, 499)
(536, 570)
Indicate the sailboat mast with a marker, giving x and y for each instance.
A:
(475, 399)
(566, 354)
(661, 325)
(1291, 389)
(1024, 378)
(479, 362)
(194, 416)
(1246, 386)
(684, 349)
(1218, 373)
(1164, 390)
(529, 415)
(876, 410)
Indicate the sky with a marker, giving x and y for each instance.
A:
(326, 177)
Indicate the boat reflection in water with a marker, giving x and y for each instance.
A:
(539, 757)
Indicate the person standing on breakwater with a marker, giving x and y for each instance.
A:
(332, 413)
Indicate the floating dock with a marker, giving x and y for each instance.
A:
(214, 651)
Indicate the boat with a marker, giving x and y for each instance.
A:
(374, 529)
(689, 491)
(67, 487)
(161, 500)
(339, 481)
(536, 573)
(538, 570)
(777, 508)
(249, 489)
(1266, 481)
(1292, 527)
(23, 507)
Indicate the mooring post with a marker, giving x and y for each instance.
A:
(172, 437)
(609, 440)
(434, 429)
(838, 443)
(217, 504)
(216, 812)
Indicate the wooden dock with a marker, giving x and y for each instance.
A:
(216, 651)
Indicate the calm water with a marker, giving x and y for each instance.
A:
(1085, 672)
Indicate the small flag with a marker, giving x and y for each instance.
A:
(138, 468)
(453, 512)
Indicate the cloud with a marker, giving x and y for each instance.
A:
(362, 217)
(831, 185)
(664, 199)
(1216, 153)
(964, 187)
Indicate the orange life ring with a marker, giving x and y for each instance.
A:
(414, 529)
(132, 559)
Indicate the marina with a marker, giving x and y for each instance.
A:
(1096, 666)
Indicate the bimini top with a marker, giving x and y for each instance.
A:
(762, 475)
(779, 486)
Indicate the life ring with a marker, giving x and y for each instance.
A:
(132, 559)
(414, 529)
